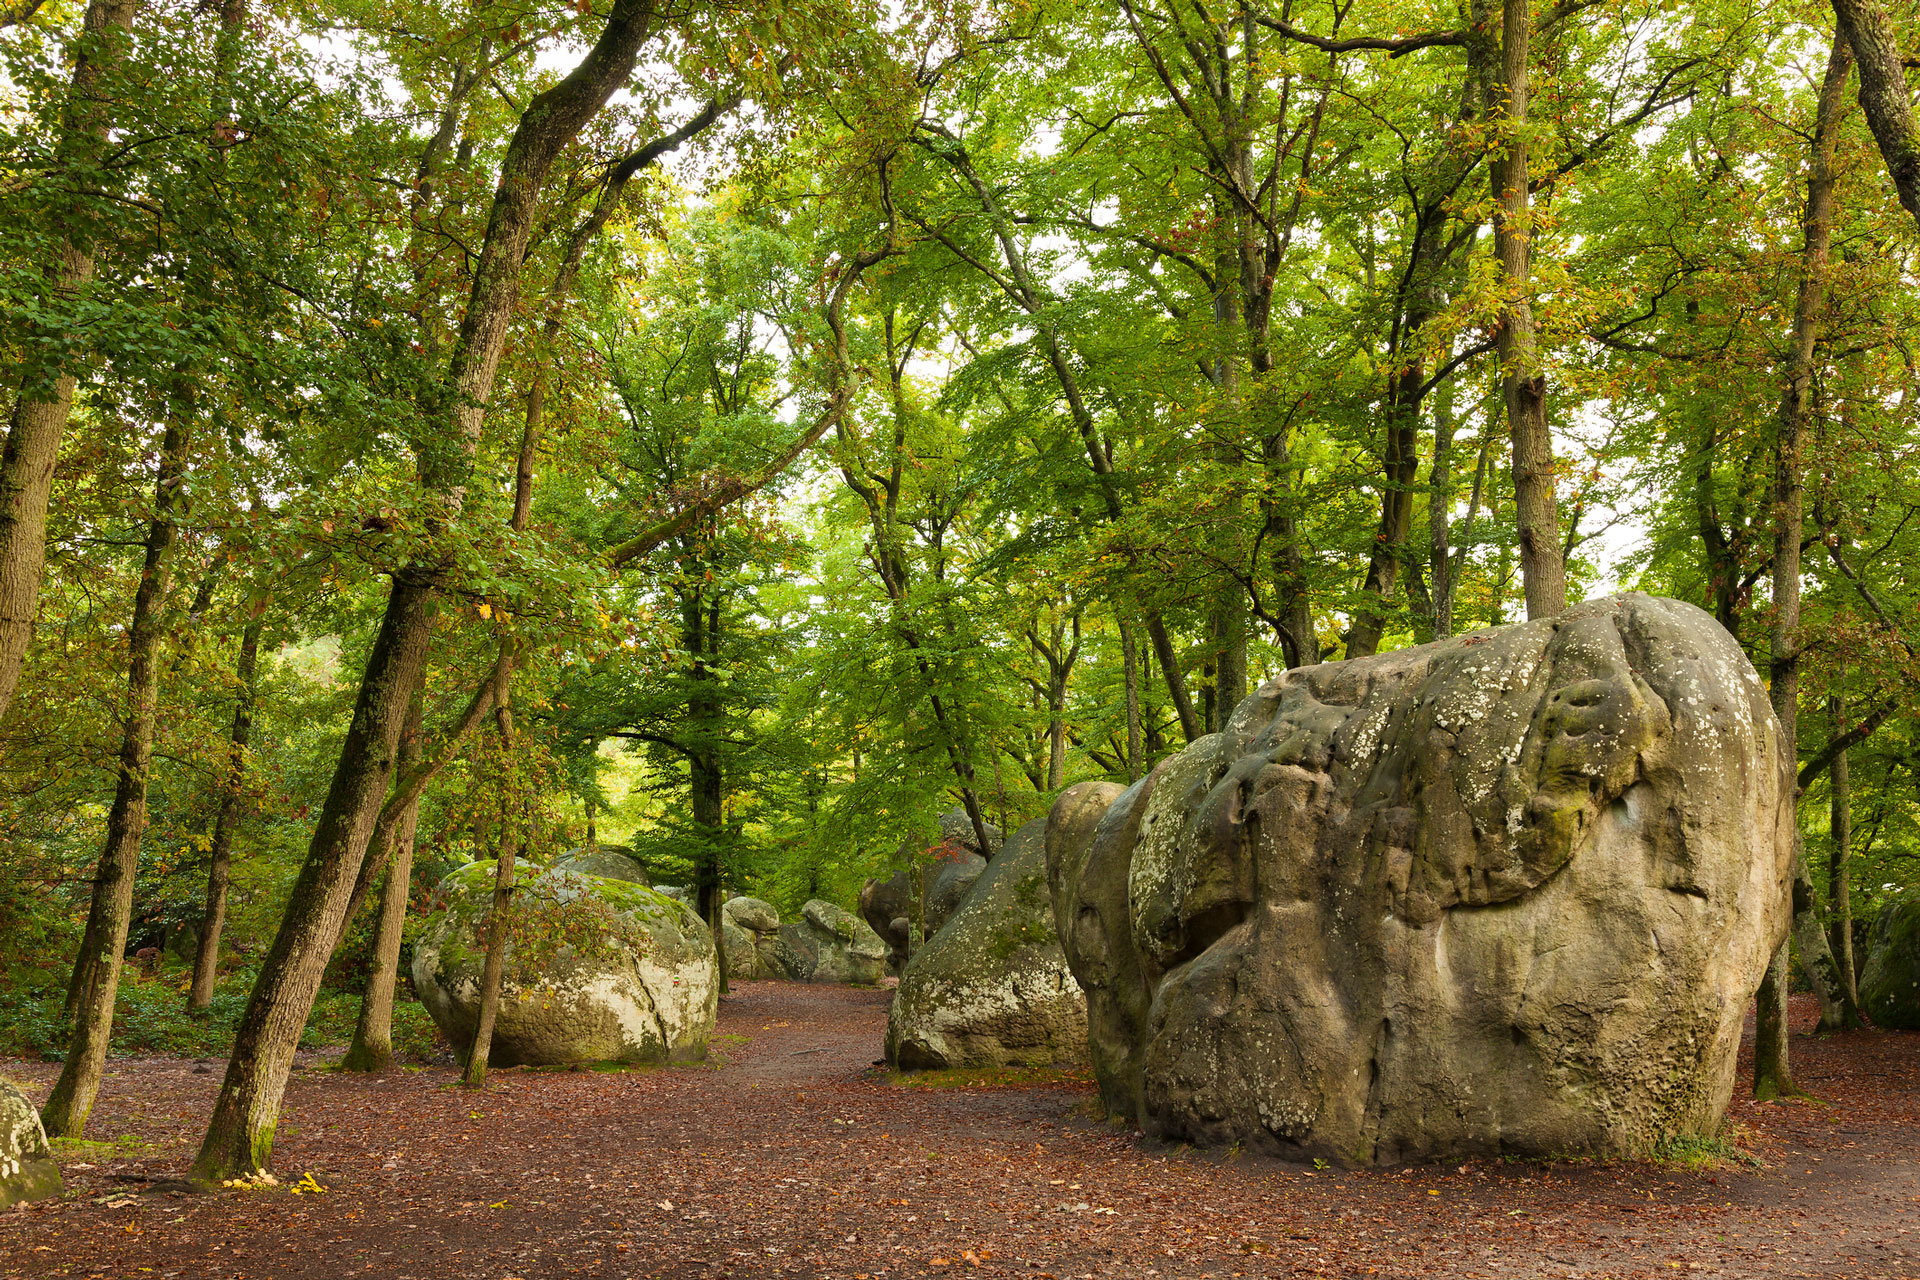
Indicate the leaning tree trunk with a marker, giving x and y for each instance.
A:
(96, 980)
(240, 1135)
(1870, 36)
(372, 1045)
(206, 957)
(1772, 1074)
(45, 397)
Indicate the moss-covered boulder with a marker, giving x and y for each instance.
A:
(830, 944)
(1890, 984)
(27, 1170)
(597, 969)
(992, 988)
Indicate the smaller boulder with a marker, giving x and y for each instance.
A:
(681, 894)
(951, 872)
(992, 989)
(888, 908)
(597, 969)
(834, 945)
(1890, 983)
(748, 926)
(27, 1170)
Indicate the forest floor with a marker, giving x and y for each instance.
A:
(793, 1155)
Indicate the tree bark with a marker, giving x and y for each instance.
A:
(1869, 34)
(1839, 877)
(45, 397)
(96, 972)
(1190, 726)
(1772, 1073)
(1130, 666)
(240, 1134)
(500, 915)
(206, 958)
(372, 1045)
(1523, 377)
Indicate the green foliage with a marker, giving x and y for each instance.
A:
(151, 1017)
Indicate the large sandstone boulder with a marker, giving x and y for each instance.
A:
(597, 969)
(1890, 984)
(829, 944)
(1505, 893)
(992, 989)
(27, 1170)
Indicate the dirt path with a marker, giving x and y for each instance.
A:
(797, 1158)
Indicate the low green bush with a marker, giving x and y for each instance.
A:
(152, 1017)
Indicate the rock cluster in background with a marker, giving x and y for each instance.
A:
(943, 873)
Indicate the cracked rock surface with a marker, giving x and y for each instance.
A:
(1507, 893)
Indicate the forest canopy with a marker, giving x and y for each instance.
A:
(741, 435)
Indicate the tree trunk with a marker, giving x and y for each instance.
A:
(1839, 879)
(206, 959)
(240, 1135)
(1784, 687)
(1439, 508)
(1523, 366)
(1864, 25)
(1190, 726)
(96, 971)
(1130, 665)
(45, 396)
(500, 915)
(1772, 1073)
(372, 1046)
(1229, 628)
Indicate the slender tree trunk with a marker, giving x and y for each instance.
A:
(1229, 627)
(240, 1134)
(1836, 1010)
(1772, 1073)
(1130, 665)
(1190, 726)
(206, 959)
(1439, 508)
(1536, 510)
(500, 916)
(1870, 36)
(372, 1045)
(1839, 878)
(96, 981)
(45, 395)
